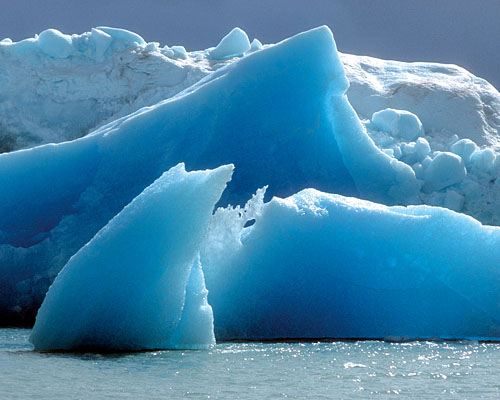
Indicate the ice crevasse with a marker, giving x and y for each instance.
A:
(280, 114)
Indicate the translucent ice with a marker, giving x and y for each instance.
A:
(127, 289)
(322, 265)
(255, 45)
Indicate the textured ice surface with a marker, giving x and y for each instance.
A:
(59, 87)
(447, 99)
(323, 265)
(127, 289)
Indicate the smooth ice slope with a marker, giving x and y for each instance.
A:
(127, 289)
(319, 265)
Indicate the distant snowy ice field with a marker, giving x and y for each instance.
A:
(328, 195)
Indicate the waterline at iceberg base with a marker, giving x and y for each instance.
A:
(306, 264)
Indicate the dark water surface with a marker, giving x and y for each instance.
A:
(325, 370)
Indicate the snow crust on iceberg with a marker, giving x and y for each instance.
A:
(58, 87)
(459, 114)
(127, 289)
(447, 98)
(322, 265)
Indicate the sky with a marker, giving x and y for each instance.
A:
(463, 32)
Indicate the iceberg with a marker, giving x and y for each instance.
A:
(269, 129)
(289, 127)
(288, 120)
(133, 286)
(317, 265)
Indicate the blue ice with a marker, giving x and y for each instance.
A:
(312, 265)
(317, 265)
(133, 286)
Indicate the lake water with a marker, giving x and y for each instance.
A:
(324, 370)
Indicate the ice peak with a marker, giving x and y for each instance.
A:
(234, 44)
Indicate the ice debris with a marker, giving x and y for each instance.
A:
(399, 123)
(444, 170)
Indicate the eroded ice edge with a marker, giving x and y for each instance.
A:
(421, 133)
